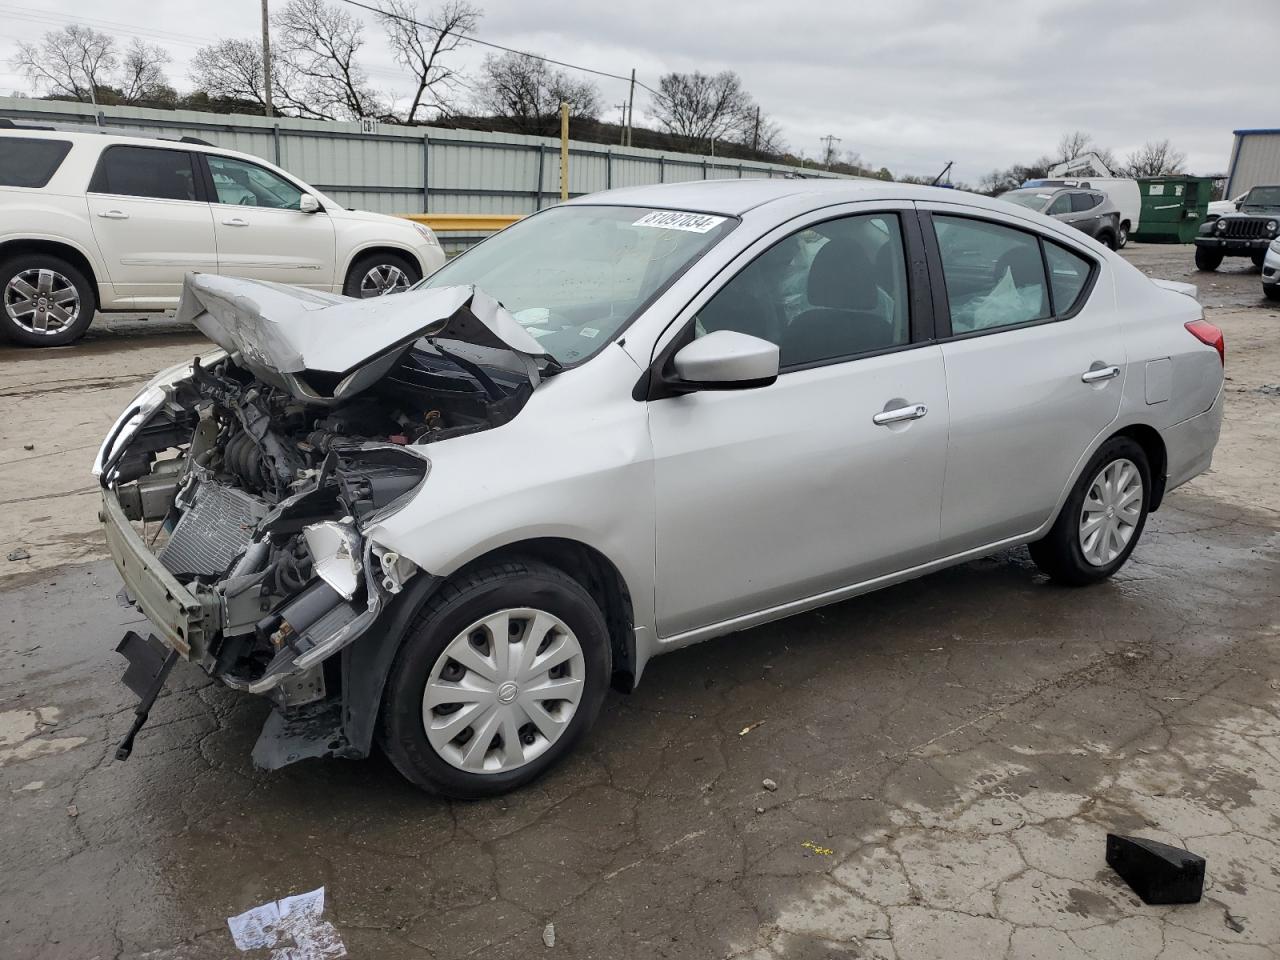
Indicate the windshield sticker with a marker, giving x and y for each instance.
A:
(589, 332)
(677, 220)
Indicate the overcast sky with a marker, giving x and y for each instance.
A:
(908, 84)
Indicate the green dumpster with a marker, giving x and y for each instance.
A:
(1172, 208)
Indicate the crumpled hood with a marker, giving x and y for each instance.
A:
(325, 348)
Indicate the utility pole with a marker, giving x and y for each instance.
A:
(266, 61)
(755, 136)
(622, 137)
(830, 141)
(631, 105)
(564, 152)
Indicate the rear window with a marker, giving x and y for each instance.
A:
(30, 162)
(145, 172)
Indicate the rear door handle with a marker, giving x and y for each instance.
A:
(913, 411)
(236, 222)
(113, 215)
(1101, 373)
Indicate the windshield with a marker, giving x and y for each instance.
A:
(1033, 199)
(575, 276)
(1262, 198)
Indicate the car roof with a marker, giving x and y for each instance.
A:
(734, 197)
(131, 139)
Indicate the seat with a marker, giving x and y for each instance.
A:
(736, 308)
(843, 319)
(1024, 263)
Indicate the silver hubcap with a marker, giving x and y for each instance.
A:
(1111, 511)
(503, 691)
(41, 301)
(383, 279)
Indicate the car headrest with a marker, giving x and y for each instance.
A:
(842, 277)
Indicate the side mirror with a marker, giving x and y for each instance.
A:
(308, 204)
(725, 360)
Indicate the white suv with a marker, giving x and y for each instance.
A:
(92, 222)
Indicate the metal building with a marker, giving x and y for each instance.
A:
(1255, 159)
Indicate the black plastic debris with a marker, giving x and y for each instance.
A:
(1157, 872)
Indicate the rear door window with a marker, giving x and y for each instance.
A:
(30, 161)
(145, 172)
(1084, 201)
(1068, 276)
(994, 275)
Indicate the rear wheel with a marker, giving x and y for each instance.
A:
(378, 274)
(44, 300)
(1107, 239)
(1102, 519)
(1122, 238)
(1207, 259)
(499, 676)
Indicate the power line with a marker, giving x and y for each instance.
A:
(497, 46)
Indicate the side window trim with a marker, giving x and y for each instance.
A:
(942, 306)
(921, 301)
(99, 171)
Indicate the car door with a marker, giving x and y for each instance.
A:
(1035, 362)
(151, 221)
(261, 232)
(1084, 212)
(831, 475)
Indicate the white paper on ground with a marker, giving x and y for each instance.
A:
(292, 927)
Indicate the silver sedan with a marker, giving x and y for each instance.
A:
(452, 518)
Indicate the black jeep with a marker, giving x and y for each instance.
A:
(1246, 233)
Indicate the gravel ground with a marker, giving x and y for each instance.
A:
(946, 756)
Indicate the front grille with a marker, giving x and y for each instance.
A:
(213, 530)
(1245, 228)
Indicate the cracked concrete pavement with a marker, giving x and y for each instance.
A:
(949, 754)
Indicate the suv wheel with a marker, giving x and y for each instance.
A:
(500, 674)
(1207, 259)
(1122, 238)
(1258, 258)
(378, 274)
(44, 301)
(1102, 519)
(1271, 291)
(1107, 239)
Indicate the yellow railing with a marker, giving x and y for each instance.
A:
(464, 222)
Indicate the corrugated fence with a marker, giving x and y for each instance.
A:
(391, 169)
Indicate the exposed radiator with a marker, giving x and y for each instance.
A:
(213, 530)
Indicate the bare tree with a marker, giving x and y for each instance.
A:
(760, 132)
(1074, 144)
(74, 61)
(1156, 158)
(232, 70)
(319, 43)
(701, 107)
(142, 73)
(424, 50)
(524, 89)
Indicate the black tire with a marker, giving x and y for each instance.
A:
(87, 301)
(362, 265)
(1257, 259)
(1208, 260)
(1107, 239)
(1059, 554)
(1122, 238)
(463, 600)
(1271, 291)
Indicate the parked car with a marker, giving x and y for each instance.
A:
(1246, 233)
(1218, 208)
(629, 423)
(93, 222)
(1121, 191)
(1089, 211)
(1271, 272)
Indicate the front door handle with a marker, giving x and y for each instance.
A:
(113, 215)
(235, 222)
(1100, 374)
(912, 411)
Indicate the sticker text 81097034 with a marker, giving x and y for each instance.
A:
(680, 220)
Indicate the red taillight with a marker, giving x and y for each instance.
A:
(1207, 333)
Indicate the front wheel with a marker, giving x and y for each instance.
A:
(1102, 519)
(1207, 259)
(1258, 258)
(378, 274)
(499, 676)
(44, 301)
(1271, 291)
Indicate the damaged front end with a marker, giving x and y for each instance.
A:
(237, 490)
